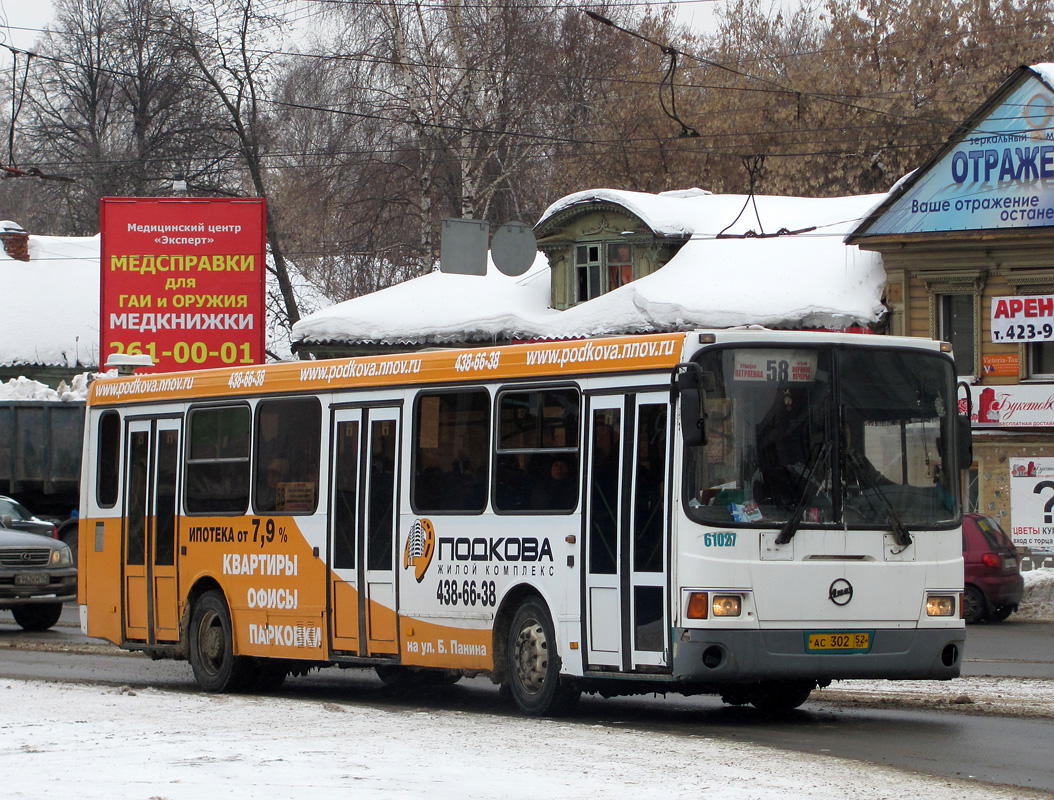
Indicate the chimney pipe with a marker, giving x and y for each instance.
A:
(16, 240)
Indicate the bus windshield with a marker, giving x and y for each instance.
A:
(825, 436)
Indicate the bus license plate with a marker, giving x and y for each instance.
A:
(31, 579)
(838, 641)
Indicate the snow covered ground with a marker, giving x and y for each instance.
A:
(83, 741)
(65, 740)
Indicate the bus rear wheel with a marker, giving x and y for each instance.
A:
(779, 696)
(534, 678)
(216, 667)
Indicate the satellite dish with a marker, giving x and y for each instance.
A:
(513, 248)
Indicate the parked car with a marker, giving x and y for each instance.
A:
(16, 516)
(994, 585)
(37, 576)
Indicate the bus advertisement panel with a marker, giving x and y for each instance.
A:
(183, 281)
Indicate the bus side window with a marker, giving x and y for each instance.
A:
(286, 456)
(537, 462)
(451, 451)
(217, 475)
(108, 445)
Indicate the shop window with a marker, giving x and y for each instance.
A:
(288, 442)
(218, 460)
(1041, 360)
(601, 267)
(451, 452)
(537, 464)
(955, 324)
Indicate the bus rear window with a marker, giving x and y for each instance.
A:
(217, 477)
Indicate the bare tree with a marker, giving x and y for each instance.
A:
(112, 107)
(227, 41)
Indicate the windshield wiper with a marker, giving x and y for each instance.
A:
(900, 532)
(809, 491)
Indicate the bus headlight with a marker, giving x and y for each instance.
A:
(940, 605)
(727, 605)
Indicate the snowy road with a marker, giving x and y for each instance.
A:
(105, 740)
(65, 740)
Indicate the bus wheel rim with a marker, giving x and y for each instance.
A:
(211, 642)
(532, 656)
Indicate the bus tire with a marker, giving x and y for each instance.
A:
(268, 675)
(534, 678)
(216, 667)
(778, 696)
(37, 617)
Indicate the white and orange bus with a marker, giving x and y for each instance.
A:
(750, 513)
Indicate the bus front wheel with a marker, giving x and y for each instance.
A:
(216, 667)
(534, 664)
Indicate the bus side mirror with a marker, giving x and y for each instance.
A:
(964, 430)
(691, 384)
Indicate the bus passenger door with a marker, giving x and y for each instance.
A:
(627, 552)
(150, 528)
(380, 471)
(345, 502)
(604, 490)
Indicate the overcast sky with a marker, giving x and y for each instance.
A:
(35, 14)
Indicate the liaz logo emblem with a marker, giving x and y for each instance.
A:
(841, 592)
(420, 545)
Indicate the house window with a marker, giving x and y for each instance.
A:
(601, 267)
(1041, 360)
(956, 325)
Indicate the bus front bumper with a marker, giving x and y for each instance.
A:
(743, 656)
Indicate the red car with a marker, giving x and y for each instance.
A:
(994, 585)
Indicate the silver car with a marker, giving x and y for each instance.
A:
(37, 576)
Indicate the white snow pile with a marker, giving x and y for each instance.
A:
(71, 740)
(808, 279)
(52, 314)
(22, 388)
(1038, 601)
(438, 308)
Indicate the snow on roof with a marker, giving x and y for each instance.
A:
(811, 279)
(52, 314)
(813, 282)
(699, 213)
(1045, 71)
(439, 308)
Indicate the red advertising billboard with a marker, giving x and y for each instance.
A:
(183, 281)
